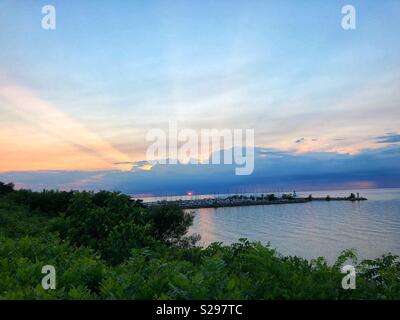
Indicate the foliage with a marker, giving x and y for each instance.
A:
(106, 222)
(169, 223)
(79, 272)
(6, 188)
(16, 221)
(105, 246)
(48, 202)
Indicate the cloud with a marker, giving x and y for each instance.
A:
(388, 138)
(49, 120)
(274, 170)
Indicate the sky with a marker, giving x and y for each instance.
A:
(275, 171)
(80, 99)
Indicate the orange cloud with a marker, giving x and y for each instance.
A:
(46, 138)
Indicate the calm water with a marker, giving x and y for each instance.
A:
(311, 229)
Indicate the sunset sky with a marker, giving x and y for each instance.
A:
(83, 96)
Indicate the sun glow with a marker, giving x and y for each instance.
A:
(50, 139)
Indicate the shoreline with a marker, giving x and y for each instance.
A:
(232, 202)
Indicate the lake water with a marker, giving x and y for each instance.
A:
(311, 229)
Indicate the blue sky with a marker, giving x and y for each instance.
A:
(83, 96)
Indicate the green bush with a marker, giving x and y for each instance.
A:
(47, 202)
(105, 246)
(6, 188)
(79, 271)
(17, 221)
(169, 223)
(108, 223)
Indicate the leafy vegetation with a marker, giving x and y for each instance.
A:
(105, 246)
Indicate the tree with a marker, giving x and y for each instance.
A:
(6, 188)
(169, 223)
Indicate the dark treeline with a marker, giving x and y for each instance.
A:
(105, 246)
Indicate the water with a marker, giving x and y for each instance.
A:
(311, 229)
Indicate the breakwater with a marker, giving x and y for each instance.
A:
(238, 201)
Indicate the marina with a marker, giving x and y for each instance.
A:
(249, 200)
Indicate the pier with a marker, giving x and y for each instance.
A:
(241, 200)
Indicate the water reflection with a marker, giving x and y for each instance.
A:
(311, 229)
